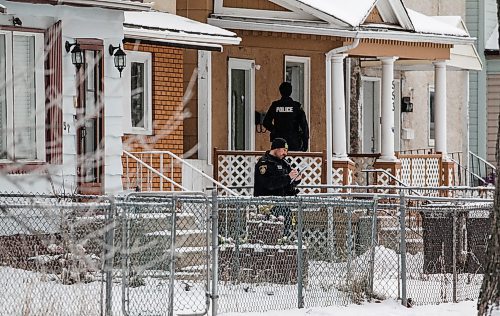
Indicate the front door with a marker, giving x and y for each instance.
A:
(90, 124)
(241, 105)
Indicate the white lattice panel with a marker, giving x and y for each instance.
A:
(433, 172)
(237, 170)
(338, 176)
(405, 171)
(361, 163)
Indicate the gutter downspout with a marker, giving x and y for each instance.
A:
(329, 121)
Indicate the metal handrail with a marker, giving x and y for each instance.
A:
(182, 162)
(392, 177)
(472, 173)
(483, 160)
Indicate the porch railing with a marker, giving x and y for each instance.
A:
(235, 169)
(160, 171)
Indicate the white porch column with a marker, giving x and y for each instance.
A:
(387, 110)
(205, 106)
(338, 108)
(440, 107)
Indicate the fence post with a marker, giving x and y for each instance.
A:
(108, 257)
(172, 258)
(402, 246)
(454, 254)
(300, 276)
(125, 253)
(215, 253)
(349, 248)
(374, 243)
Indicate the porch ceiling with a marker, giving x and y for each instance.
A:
(404, 50)
(461, 57)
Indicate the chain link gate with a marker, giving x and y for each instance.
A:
(323, 258)
(166, 254)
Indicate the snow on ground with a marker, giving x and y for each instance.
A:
(384, 308)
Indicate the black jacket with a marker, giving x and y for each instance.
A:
(286, 119)
(271, 177)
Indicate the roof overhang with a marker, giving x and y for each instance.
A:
(186, 41)
(3, 9)
(462, 57)
(176, 30)
(107, 4)
(323, 29)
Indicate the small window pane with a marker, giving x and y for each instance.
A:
(138, 95)
(24, 97)
(3, 101)
(295, 75)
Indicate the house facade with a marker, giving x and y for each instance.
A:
(155, 94)
(365, 75)
(61, 118)
(483, 22)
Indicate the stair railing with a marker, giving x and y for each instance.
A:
(483, 171)
(150, 170)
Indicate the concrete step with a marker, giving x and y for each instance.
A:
(183, 238)
(152, 222)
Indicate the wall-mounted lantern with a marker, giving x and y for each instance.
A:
(120, 58)
(76, 54)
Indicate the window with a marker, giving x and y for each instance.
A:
(297, 70)
(431, 116)
(22, 108)
(139, 108)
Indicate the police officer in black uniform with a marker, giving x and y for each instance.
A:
(286, 119)
(274, 176)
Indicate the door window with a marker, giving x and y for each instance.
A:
(297, 70)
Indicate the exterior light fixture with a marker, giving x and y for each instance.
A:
(76, 54)
(120, 58)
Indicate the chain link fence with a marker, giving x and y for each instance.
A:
(173, 254)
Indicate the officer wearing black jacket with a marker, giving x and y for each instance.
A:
(286, 119)
(274, 176)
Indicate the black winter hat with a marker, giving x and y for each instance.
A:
(286, 89)
(279, 143)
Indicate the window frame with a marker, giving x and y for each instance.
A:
(245, 65)
(307, 80)
(147, 59)
(39, 64)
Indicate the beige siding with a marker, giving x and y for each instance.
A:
(253, 4)
(493, 112)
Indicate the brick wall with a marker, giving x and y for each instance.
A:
(168, 91)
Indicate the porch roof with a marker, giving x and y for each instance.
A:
(338, 18)
(177, 30)
(3, 9)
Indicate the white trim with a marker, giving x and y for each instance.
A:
(40, 95)
(307, 80)
(183, 38)
(111, 4)
(147, 59)
(205, 106)
(247, 65)
(320, 29)
(375, 113)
